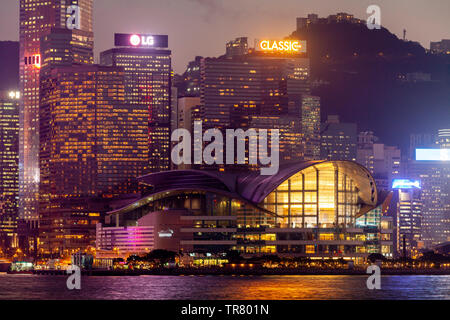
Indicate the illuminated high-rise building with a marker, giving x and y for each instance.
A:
(9, 167)
(409, 216)
(90, 148)
(271, 82)
(383, 161)
(338, 140)
(147, 72)
(444, 138)
(189, 83)
(432, 167)
(37, 18)
(311, 126)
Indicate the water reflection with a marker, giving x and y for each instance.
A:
(225, 287)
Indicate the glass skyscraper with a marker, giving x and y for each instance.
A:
(147, 73)
(37, 18)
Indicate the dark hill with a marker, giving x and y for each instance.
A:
(363, 77)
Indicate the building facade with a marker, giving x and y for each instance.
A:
(147, 73)
(9, 168)
(383, 161)
(338, 140)
(37, 18)
(311, 126)
(409, 220)
(89, 150)
(314, 209)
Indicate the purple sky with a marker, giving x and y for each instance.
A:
(202, 27)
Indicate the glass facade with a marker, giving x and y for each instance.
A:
(318, 197)
(147, 74)
(327, 209)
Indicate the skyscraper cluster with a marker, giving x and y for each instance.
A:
(87, 131)
(77, 135)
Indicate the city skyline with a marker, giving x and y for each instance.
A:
(222, 139)
(258, 21)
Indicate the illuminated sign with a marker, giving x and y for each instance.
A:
(141, 40)
(166, 233)
(289, 46)
(433, 154)
(405, 184)
(34, 60)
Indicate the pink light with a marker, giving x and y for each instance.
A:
(135, 40)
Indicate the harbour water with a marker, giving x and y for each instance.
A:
(38, 287)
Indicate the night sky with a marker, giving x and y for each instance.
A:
(202, 27)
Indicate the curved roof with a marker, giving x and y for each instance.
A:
(256, 187)
(250, 187)
(189, 179)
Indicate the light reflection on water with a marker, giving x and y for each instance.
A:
(224, 287)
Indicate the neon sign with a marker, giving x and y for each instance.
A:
(405, 184)
(34, 60)
(292, 46)
(433, 154)
(136, 40)
(141, 40)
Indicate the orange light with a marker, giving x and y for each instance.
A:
(282, 46)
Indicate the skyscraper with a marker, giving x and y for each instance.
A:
(338, 140)
(89, 149)
(37, 18)
(311, 126)
(434, 173)
(272, 82)
(383, 161)
(409, 219)
(9, 167)
(147, 72)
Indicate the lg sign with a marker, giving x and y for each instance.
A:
(141, 40)
(137, 40)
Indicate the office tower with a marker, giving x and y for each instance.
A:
(9, 167)
(237, 47)
(186, 107)
(384, 162)
(271, 81)
(37, 18)
(338, 140)
(435, 178)
(443, 139)
(290, 135)
(311, 126)
(409, 217)
(90, 149)
(432, 167)
(421, 140)
(147, 72)
(189, 83)
(9, 65)
(188, 112)
(174, 109)
(64, 47)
